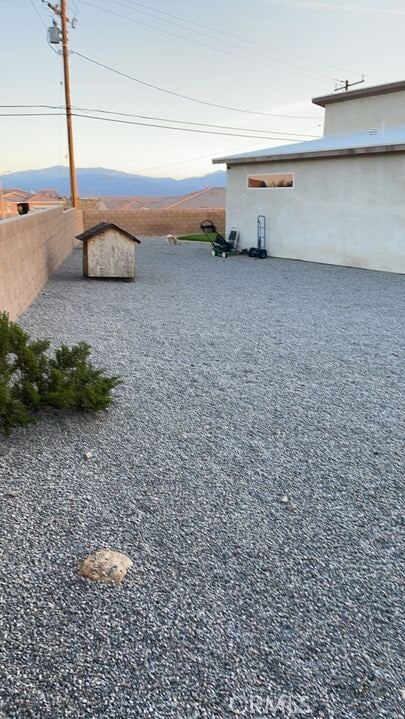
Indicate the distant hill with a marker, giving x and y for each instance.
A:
(96, 181)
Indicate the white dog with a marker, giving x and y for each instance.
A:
(171, 239)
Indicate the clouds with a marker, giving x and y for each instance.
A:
(331, 5)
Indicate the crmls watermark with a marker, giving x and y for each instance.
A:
(282, 706)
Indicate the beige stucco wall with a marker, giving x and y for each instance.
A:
(31, 248)
(365, 114)
(347, 211)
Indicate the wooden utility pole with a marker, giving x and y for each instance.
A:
(66, 70)
(61, 11)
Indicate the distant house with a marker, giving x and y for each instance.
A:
(9, 199)
(46, 198)
(7, 209)
(41, 200)
(337, 200)
(210, 197)
(15, 195)
(47, 194)
(91, 203)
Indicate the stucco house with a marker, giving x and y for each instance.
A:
(338, 200)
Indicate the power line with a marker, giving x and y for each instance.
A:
(43, 23)
(189, 159)
(235, 37)
(182, 129)
(31, 114)
(41, 19)
(161, 119)
(188, 97)
(76, 8)
(145, 124)
(155, 87)
(201, 124)
(209, 35)
(304, 73)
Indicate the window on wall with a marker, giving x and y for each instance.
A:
(271, 182)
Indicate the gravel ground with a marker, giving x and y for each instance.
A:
(251, 466)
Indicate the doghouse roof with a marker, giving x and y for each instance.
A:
(103, 227)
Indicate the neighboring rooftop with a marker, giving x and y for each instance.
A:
(209, 197)
(10, 197)
(15, 195)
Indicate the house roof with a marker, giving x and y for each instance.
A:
(375, 141)
(114, 202)
(91, 203)
(47, 195)
(373, 91)
(137, 202)
(16, 195)
(209, 197)
(103, 227)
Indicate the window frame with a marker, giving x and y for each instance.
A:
(270, 174)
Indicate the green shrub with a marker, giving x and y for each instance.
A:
(30, 379)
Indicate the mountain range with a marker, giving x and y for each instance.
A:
(99, 181)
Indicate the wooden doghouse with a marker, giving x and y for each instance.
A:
(108, 251)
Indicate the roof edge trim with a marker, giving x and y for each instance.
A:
(372, 91)
(320, 155)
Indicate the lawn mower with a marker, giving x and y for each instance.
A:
(260, 250)
(220, 246)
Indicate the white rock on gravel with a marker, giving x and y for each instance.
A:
(105, 565)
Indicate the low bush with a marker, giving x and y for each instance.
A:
(31, 379)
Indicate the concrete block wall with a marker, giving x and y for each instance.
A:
(156, 222)
(31, 248)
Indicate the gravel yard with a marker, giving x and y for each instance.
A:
(251, 466)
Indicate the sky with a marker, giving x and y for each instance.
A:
(266, 57)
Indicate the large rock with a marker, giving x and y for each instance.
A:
(105, 565)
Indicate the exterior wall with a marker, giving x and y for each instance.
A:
(341, 211)
(109, 255)
(156, 222)
(31, 248)
(365, 113)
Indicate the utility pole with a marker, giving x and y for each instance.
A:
(61, 11)
(3, 209)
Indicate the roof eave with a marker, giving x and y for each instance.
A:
(318, 154)
(372, 91)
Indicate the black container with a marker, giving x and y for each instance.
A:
(23, 208)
